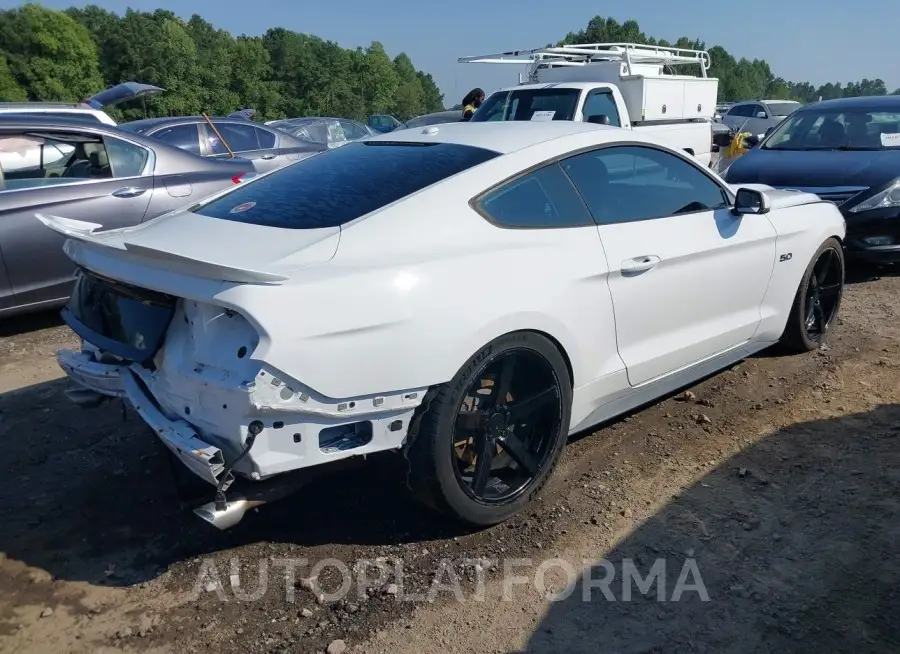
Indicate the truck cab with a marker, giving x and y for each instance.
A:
(623, 85)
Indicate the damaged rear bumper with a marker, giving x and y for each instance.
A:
(117, 381)
(218, 448)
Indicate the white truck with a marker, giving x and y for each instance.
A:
(626, 85)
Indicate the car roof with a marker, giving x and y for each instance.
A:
(547, 85)
(871, 102)
(147, 123)
(505, 136)
(176, 160)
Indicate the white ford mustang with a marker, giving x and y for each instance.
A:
(466, 294)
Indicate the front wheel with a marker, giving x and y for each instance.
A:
(484, 444)
(818, 299)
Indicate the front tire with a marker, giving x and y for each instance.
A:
(483, 445)
(818, 299)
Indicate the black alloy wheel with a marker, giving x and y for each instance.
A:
(482, 445)
(818, 299)
(504, 432)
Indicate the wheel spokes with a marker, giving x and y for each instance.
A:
(506, 426)
(824, 267)
(519, 453)
(828, 291)
(504, 381)
(485, 457)
(520, 409)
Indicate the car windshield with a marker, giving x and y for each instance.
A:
(837, 129)
(343, 184)
(783, 108)
(529, 104)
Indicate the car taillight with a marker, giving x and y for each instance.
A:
(243, 177)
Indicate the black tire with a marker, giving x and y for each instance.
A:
(433, 473)
(797, 336)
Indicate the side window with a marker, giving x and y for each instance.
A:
(602, 102)
(240, 138)
(126, 159)
(542, 199)
(30, 161)
(180, 136)
(353, 131)
(630, 183)
(266, 138)
(740, 111)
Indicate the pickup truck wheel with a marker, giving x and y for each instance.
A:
(818, 299)
(484, 444)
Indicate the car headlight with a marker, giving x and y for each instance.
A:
(889, 197)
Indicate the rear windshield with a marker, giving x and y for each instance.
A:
(529, 104)
(335, 187)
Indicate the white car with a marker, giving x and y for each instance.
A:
(466, 294)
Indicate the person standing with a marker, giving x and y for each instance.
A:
(471, 102)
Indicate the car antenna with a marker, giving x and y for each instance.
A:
(213, 127)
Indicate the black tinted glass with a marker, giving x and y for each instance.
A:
(544, 198)
(340, 185)
(266, 139)
(181, 136)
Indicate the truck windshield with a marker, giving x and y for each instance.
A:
(529, 104)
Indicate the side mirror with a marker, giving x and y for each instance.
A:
(723, 139)
(749, 201)
(599, 119)
(761, 114)
(770, 130)
(751, 140)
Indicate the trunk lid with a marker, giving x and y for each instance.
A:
(121, 93)
(206, 247)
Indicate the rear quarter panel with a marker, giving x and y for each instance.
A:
(801, 231)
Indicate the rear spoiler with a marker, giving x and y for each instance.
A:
(83, 231)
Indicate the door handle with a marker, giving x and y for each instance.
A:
(640, 264)
(128, 192)
(268, 157)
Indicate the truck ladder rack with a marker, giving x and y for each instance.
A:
(590, 53)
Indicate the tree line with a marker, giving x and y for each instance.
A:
(739, 79)
(69, 55)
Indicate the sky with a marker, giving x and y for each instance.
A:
(803, 40)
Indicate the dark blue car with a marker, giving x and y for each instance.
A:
(846, 151)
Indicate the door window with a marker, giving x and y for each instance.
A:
(126, 159)
(542, 199)
(50, 159)
(741, 111)
(181, 136)
(240, 138)
(632, 183)
(353, 131)
(602, 102)
(266, 138)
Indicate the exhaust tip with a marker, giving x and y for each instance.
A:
(232, 514)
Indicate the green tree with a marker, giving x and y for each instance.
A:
(409, 99)
(10, 91)
(742, 79)
(49, 54)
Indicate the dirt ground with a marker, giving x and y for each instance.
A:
(776, 482)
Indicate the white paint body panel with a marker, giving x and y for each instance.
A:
(361, 323)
